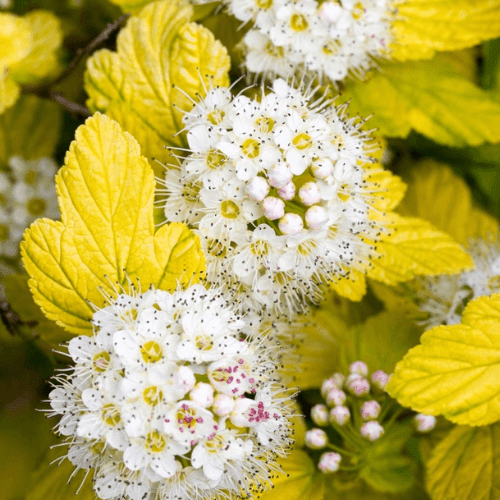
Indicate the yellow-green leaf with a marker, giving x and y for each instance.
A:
(9, 92)
(15, 39)
(29, 129)
(351, 286)
(42, 61)
(427, 26)
(414, 247)
(390, 189)
(107, 233)
(455, 371)
(432, 194)
(465, 465)
(430, 97)
(160, 58)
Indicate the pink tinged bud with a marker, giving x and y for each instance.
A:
(359, 367)
(291, 224)
(319, 414)
(372, 431)
(184, 379)
(202, 394)
(329, 462)
(370, 410)
(424, 423)
(257, 189)
(380, 379)
(287, 192)
(359, 387)
(335, 397)
(223, 405)
(279, 175)
(340, 415)
(322, 168)
(333, 382)
(316, 439)
(274, 208)
(351, 377)
(316, 217)
(309, 194)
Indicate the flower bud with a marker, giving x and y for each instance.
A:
(316, 217)
(223, 405)
(380, 379)
(309, 194)
(258, 188)
(274, 208)
(359, 367)
(329, 462)
(331, 383)
(291, 224)
(340, 415)
(335, 397)
(351, 377)
(316, 439)
(359, 387)
(424, 423)
(184, 379)
(287, 192)
(319, 414)
(372, 431)
(322, 168)
(202, 394)
(279, 175)
(370, 410)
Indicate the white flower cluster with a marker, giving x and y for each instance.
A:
(444, 297)
(25, 195)
(278, 190)
(355, 406)
(171, 399)
(332, 39)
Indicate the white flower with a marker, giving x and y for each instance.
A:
(147, 403)
(289, 207)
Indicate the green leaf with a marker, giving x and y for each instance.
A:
(430, 97)
(106, 234)
(455, 372)
(465, 465)
(491, 64)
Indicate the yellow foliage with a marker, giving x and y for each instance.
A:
(107, 233)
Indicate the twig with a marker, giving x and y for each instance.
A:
(48, 93)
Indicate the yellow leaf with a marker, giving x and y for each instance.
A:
(414, 247)
(42, 61)
(465, 464)
(106, 193)
(160, 57)
(455, 372)
(352, 286)
(29, 129)
(432, 195)
(389, 189)
(301, 480)
(15, 39)
(430, 97)
(427, 26)
(131, 5)
(9, 91)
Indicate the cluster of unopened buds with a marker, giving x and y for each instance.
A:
(355, 406)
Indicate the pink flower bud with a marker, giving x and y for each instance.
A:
(359, 387)
(184, 379)
(331, 383)
(339, 415)
(316, 439)
(335, 397)
(380, 379)
(258, 188)
(370, 410)
(319, 414)
(291, 224)
(223, 405)
(372, 431)
(316, 217)
(322, 168)
(202, 394)
(359, 367)
(329, 462)
(274, 208)
(424, 423)
(287, 192)
(309, 194)
(279, 175)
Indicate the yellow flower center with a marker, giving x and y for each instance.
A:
(216, 116)
(152, 395)
(191, 191)
(265, 124)
(155, 442)
(101, 361)
(31, 176)
(275, 51)
(332, 47)
(111, 415)
(204, 342)
(251, 148)
(259, 247)
(358, 11)
(217, 249)
(344, 192)
(36, 206)
(264, 4)
(298, 22)
(229, 209)
(151, 352)
(216, 159)
(302, 141)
